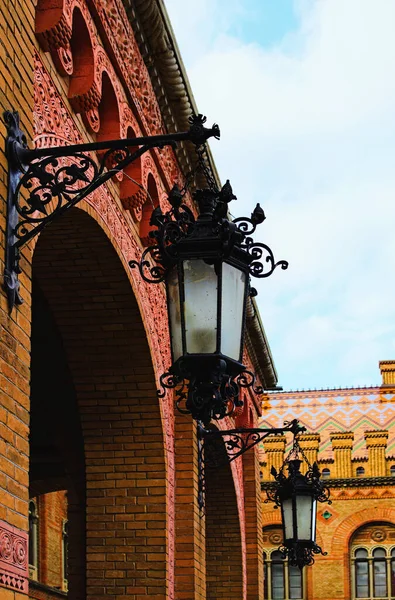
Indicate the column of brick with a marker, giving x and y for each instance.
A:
(223, 539)
(342, 447)
(274, 449)
(253, 515)
(190, 559)
(309, 443)
(104, 339)
(376, 443)
(16, 92)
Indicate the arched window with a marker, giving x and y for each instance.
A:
(392, 470)
(360, 471)
(379, 573)
(33, 540)
(361, 573)
(281, 581)
(325, 473)
(374, 573)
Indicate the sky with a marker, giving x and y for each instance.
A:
(304, 94)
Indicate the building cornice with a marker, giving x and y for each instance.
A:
(160, 52)
(351, 482)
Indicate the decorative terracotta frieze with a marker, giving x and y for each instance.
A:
(14, 571)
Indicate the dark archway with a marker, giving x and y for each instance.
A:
(102, 345)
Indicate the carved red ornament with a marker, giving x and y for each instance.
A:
(14, 570)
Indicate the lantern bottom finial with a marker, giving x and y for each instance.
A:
(301, 556)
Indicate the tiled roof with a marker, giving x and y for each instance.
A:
(326, 411)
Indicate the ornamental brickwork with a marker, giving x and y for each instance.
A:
(350, 433)
(81, 357)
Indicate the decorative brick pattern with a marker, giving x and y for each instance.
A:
(13, 558)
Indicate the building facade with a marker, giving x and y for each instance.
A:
(351, 435)
(101, 472)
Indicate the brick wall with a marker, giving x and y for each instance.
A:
(132, 494)
(96, 313)
(224, 564)
(16, 92)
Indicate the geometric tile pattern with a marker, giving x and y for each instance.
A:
(326, 411)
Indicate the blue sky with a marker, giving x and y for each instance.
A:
(264, 22)
(304, 93)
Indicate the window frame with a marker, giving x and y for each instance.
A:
(65, 553)
(370, 560)
(268, 561)
(33, 540)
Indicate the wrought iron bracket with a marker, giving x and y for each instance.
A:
(44, 183)
(236, 442)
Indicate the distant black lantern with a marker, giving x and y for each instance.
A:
(297, 496)
(206, 264)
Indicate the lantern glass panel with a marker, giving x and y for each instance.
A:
(173, 300)
(304, 516)
(201, 307)
(287, 509)
(232, 310)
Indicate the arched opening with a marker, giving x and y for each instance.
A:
(151, 202)
(82, 78)
(96, 429)
(132, 192)
(224, 563)
(372, 568)
(108, 112)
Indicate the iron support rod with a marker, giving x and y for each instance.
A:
(27, 155)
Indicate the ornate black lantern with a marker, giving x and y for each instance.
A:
(206, 263)
(297, 496)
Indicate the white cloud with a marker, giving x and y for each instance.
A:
(308, 130)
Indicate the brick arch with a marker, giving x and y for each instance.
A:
(224, 552)
(83, 92)
(150, 203)
(66, 30)
(104, 340)
(132, 192)
(343, 533)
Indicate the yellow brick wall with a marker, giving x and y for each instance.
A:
(16, 92)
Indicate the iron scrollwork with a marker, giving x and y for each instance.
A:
(213, 397)
(299, 556)
(235, 443)
(179, 222)
(44, 183)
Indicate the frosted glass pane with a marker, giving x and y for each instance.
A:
(278, 588)
(362, 579)
(233, 290)
(314, 520)
(380, 579)
(304, 517)
(201, 291)
(295, 582)
(287, 519)
(173, 299)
